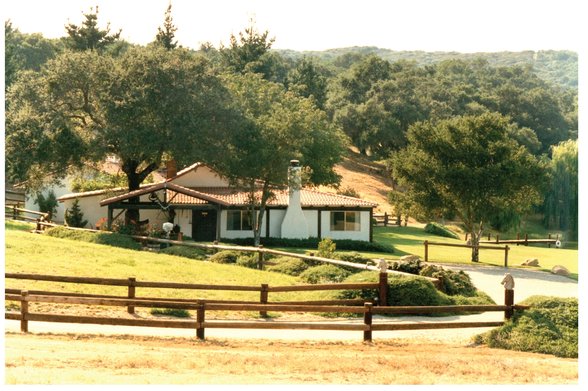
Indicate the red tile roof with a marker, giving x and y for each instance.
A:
(308, 198)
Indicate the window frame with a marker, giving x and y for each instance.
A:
(351, 221)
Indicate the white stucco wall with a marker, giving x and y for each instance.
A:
(362, 234)
(275, 221)
(311, 222)
(59, 189)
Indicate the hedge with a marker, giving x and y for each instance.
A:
(312, 243)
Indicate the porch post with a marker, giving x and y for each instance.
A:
(110, 214)
(218, 222)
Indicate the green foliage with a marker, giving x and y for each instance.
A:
(348, 191)
(440, 230)
(309, 80)
(561, 201)
(185, 251)
(99, 181)
(288, 265)
(550, 326)
(324, 274)
(110, 239)
(175, 312)
(88, 36)
(312, 243)
(74, 217)
(447, 165)
(326, 248)
(249, 260)
(412, 266)
(454, 283)
(354, 257)
(225, 256)
(47, 203)
(166, 35)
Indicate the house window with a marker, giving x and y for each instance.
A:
(239, 220)
(345, 221)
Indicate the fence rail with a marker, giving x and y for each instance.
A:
(426, 243)
(202, 307)
(15, 213)
(260, 250)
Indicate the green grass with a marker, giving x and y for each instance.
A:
(550, 326)
(42, 254)
(409, 240)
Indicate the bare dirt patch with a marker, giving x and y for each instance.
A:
(90, 359)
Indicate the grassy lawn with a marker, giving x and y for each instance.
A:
(409, 240)
(29, 253)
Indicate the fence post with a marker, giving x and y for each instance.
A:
(526, 239)
(200, 315)
(426, 243)
(383, 289)
(260, 257)
(367, 320)
(14, 215)
(549, 243)
(497, 238)
(263, 299)
(24, 311)
(506, 248)
(508, 301)
(385, 219)
(131, 294)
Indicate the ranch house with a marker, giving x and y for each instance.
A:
(206, 208)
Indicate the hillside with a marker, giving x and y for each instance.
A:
(369, 179)
(559, 67)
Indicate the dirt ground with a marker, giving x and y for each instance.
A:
(98, 359)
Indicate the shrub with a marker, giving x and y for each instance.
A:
(412, 266)
(366, 294)
(354, 257)
(74, 217)
(185, 251)
(550, 326)
(326, 248)
(251, 261)
(47, 204)
(324, 274)
(226, 256)
(407, 291)
(440, 230)
(454, 283)
(288, 265)
(176, 312)
(312, 243)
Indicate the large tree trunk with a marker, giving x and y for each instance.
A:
(265, 196)
(134, 180)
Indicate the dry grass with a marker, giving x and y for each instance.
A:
(67, 359)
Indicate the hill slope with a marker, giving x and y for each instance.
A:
(369, 179)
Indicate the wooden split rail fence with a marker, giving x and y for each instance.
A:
(202, 307)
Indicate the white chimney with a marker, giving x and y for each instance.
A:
(294, 225)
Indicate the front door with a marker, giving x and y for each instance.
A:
(204, 225)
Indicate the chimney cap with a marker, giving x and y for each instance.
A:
(294, 163)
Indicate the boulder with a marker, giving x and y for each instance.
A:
(531, 262)
(409, 258)
(560, 270)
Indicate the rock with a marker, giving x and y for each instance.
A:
(560, 270)
(531, 262)
(409, 258)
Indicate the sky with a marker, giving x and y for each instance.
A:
(427, 25)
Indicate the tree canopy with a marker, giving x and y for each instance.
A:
(88, 36)
(471, 167)
(84, 106)
(279, 126)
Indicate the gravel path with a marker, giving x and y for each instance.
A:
(486, 278)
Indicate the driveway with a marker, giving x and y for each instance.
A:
(486, 278)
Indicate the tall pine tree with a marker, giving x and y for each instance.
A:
(166, 34)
